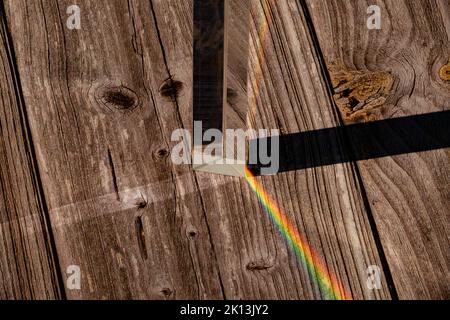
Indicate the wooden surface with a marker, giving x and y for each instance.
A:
(263, 267)
(98, 120)
(237, 59)
(101, 104)
(27, 259)
(395, 72)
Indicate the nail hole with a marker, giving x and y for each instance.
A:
(141, 203)
(192, 234)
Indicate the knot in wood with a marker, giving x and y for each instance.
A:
(192, 234)
(259, 265)
(360, 95)
(166, 292)
(161, 153)
(444, 72)
(119, 98)
(170, 89)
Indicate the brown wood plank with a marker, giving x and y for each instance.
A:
(325, 204)
(397, 71)
(237, 64)
(27, 261)
(97, 101)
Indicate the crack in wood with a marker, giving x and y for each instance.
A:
(140, 233)
(113, 175)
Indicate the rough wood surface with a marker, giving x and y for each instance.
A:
(399, 70)
(27, 259)
(97, 99)
(86, 146)
(325, 203)
(237, 63)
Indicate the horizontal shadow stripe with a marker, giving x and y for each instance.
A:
(360, 141)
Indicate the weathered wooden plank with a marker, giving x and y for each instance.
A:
(27, 261)
(97, 99)
(397, 71)
(237, 64)
(286, 92)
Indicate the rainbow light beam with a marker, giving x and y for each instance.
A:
(329, 285)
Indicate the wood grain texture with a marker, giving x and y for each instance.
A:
(325, 204)
(101, 104)
(98, 102)
(397, 71)
(237, 64)
(27, 259)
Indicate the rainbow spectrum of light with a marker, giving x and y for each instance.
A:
(263, 32)
(330, 287)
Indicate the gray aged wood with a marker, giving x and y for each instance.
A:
(397, 71)
(27, 259)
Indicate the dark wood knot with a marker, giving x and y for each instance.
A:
(444, 72)
(161, 154)
(141, 203)
(170, 89)
(167, 292)
(259, 265)
(119, 98)
(192, 234)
